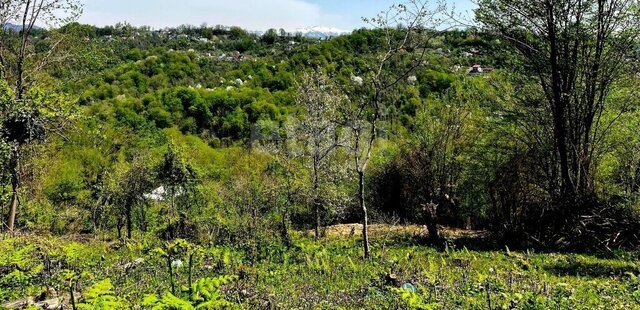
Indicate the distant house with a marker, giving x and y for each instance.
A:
(237, 56)
(475, 69)
(479, 69)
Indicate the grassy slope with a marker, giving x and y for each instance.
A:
(330, 274)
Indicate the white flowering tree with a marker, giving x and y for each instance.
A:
(316, 132)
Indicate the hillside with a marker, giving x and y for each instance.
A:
(406, 165)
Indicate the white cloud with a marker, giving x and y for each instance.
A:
(249, 14)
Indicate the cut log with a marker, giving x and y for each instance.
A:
(18, 304)
(50, 304)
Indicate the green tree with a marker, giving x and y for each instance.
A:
(180, 182)
(270, 37)
(577, 51)
(29, 113)
(131, 181)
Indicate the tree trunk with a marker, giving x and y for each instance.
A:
(13, 210)
(170, 269)
(365, 216)
(14, 188)
(95, 219)
(285, 212)
(432, 222)
(19, 80)
(119, 226)
(316, 200)
(2, 218)
(129, 223)
(285, 230)
(559, 106)
(561, 144)
(190, 275)
(317, 229)
(71, 296)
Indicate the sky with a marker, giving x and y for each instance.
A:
(249, 14)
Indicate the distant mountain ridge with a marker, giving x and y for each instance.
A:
(14, 27)
(9, 26)
(315, 32)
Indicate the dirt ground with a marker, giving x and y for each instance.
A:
(385, 230)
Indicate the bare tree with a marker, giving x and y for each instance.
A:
(26, 117)
(408, 31)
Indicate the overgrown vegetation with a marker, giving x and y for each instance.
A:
(324, 274)
(188, 168)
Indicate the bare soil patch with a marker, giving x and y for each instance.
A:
(386, 230)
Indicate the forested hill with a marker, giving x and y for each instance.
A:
(209, 93)
(229, 80)
(219, 102)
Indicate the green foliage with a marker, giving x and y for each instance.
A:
(317, 274)
(414, 300)
(208, 114)
(203, 294)
(168, 302)
(101, 296)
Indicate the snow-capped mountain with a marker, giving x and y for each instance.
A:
(320, 32)
(315, 32)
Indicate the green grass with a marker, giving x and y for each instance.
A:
(326, 274)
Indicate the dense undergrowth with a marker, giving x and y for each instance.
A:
(328, 273)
